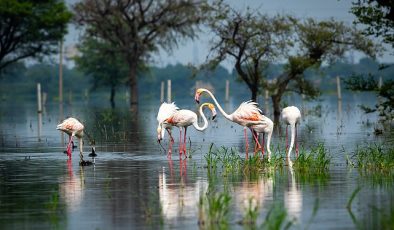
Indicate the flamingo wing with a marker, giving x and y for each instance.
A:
(166, 110)
(248, 111)
(182, 118)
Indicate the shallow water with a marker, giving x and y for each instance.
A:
(134, 185)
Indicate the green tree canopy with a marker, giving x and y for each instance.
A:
(378, 16)
(253, 41)
(137, 28)
(30, 28)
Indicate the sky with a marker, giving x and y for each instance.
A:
(195, 52)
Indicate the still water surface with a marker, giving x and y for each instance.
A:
(134, 186)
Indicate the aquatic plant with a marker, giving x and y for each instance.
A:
(213, 210)
(277, 218)
(317, 161)
(251, 212)
(373, 159)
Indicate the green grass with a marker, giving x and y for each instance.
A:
(277, 219)
(373, 159)
(213, 210)
(317, 161)
(251, 213)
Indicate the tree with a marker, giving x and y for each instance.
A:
(315, 43)
(135, 29)
(385, 107)
(378, 16)
(107, 68)
(251, 40)
(256, 40)
(30, 28)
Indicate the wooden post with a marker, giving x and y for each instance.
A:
(339, 88)
(380, 83)
(39, 111)
(227, 90)
(61, 72)
(162, 92)
(266, 99)
(39, 101)
(168, 91)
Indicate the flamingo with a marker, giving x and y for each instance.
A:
(292, 116)
(166, 110)
(266, 128)
(72, 127)
(184, 118)
(247, 114)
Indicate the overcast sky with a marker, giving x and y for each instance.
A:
(196, 51)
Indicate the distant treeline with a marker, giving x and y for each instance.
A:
(19, 81)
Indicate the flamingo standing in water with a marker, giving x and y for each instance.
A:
(292, 116)
(184, 118)
(72, 127)
(247, 114)
(266, 128)
(166, 110)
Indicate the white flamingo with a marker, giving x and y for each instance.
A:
(166, 110)
(184, 118)
(292, 116)
(247, 114)
(266, 128)
(73, 127)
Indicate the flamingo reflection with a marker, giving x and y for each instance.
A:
(259, 191)
(179, 198)
(293, 197)
(71, 189)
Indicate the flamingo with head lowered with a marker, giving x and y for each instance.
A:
(266, 128)
(166, 110)
(184, 118)
(292, 116)
(73, 128)
(247, 114)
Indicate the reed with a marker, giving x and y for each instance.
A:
(251, 213)
(317, 161)
(277, 218)
(213, 210)
(373, 159)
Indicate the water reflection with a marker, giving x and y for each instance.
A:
(71, 189)
(293, 196)
(260, 191)
(179, 198)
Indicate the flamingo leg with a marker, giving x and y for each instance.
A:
(246, 143)
(170, 144)
(262, 144)
(69, 146)
(180, 141)
(184, 142)
(256, 139)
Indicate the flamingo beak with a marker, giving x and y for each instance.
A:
(197, 97)
(213, 114)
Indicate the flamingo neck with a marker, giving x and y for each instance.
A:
(229, 117)
(292, 127)
(195, 124)
(269, 143)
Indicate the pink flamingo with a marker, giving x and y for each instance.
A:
(72, 127)
(266, 128)
(247, 114)
(184, 118)
(166, 110)
(292, 116)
